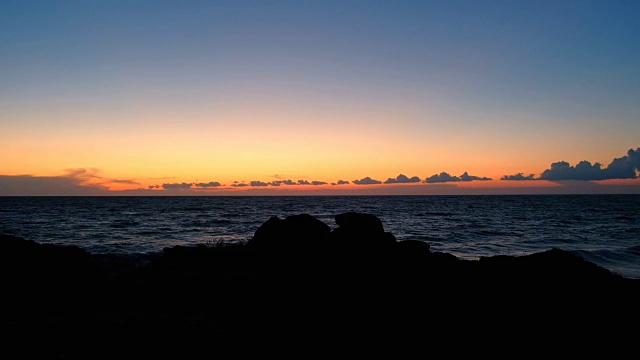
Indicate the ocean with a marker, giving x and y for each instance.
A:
(603, 229)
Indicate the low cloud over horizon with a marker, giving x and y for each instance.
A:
(340, 182)
(444, 177)
(402, 179)
(208, 185)
(88, 181)
(626, 167)
(176, 185)
(79, 181)
(367, 181)
(518, 176)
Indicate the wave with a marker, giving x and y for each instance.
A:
(626, 218)
(635, 249)
(435, 213)
(123, 223)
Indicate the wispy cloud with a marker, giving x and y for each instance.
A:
(78, 181)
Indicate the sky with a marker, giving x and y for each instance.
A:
(319, 97)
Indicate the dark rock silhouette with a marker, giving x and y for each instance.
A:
(364, 231)
(290, 234)
(296, 281)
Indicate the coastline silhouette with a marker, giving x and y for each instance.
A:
(296, 279)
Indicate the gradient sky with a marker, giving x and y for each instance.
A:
(236, 97)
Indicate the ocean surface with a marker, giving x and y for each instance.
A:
(604, 229)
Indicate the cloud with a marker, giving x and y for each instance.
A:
(154, 186)
(283, 182)
(161, 178)
(402, 179)
(168, 186)
(82, 173)
(367, 181)
(626, 167)
(78, 181)
(562, 170)
(441, 178)
(258, 183)
(208, 185)
(303, 182)
(31, 185)
(518, 176)
(340, 182)
(91, 177)
(239, 184)
(316, 183)
(467, 177)
(128, 182)
(444, 177)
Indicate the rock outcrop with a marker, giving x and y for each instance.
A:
(298, 281)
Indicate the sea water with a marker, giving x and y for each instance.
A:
(604, 229)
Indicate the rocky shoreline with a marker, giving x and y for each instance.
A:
(297, 282)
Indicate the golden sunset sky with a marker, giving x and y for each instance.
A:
(301, 97)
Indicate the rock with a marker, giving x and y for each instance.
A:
(296, 280)
(551, 265)
(290, 234)
(361, 232)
